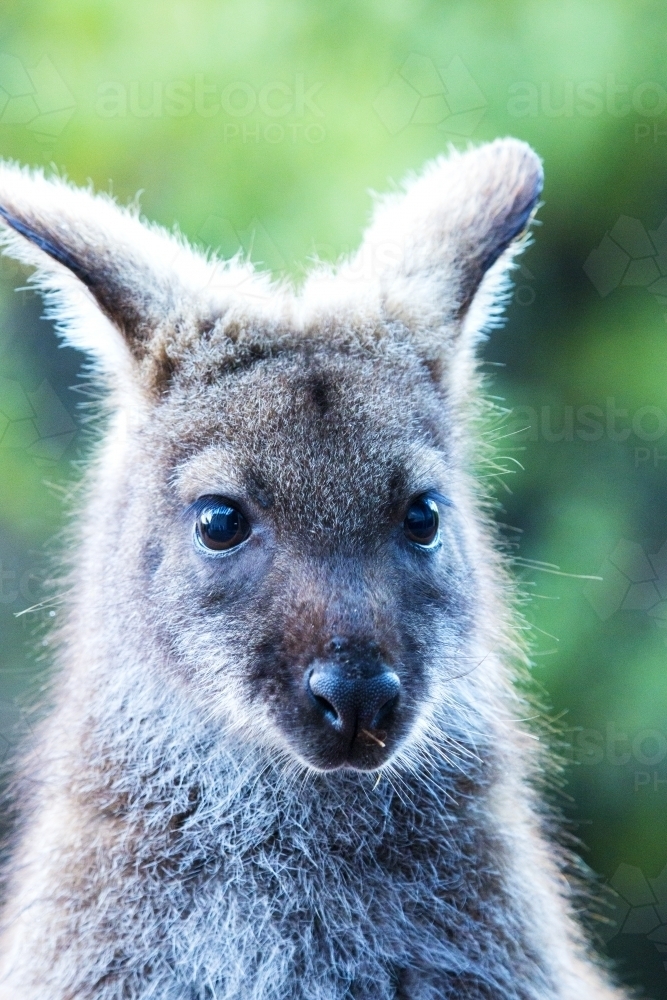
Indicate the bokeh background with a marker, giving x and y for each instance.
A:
(264, 125)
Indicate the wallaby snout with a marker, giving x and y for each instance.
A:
(355, 694)
(339, 677)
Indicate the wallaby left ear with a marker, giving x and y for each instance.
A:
(430, 245)
(111, 279)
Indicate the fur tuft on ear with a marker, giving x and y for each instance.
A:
(431, 244)
(109, 278)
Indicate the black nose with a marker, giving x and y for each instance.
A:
(349, 703)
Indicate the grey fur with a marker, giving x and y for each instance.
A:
(184, 835)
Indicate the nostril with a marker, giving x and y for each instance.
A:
(384, 712)
(315, 684)
(326, 706)
(382, 698)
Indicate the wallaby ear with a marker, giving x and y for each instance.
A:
(431, 244)
(111, 280)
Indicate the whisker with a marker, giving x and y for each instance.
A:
(49, 602)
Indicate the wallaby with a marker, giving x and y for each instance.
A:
(285, 755)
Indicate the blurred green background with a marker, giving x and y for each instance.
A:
(264, 125)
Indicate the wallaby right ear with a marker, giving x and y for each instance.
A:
(432, 243)
(110, 279)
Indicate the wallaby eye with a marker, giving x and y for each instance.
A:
(221, 526)
(422, 522)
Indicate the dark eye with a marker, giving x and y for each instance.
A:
(422, 522)
(221, 527)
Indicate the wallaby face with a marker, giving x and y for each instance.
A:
(301, 552)
(284, 759)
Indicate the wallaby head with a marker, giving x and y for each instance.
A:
(282, 508)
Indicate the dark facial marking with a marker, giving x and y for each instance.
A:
(320, 393)
(258, 488)
(152, 556)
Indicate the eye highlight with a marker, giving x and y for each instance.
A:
(422, 523)
(220, 526)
